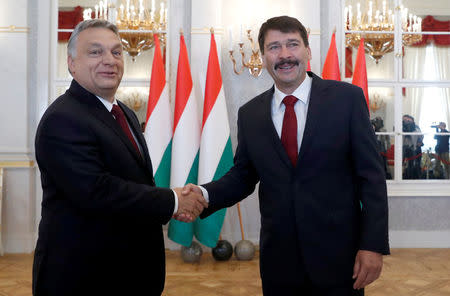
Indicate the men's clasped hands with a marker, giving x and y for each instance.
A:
(190, 203)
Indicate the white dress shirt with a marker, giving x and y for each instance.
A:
(302, 93)
(301, 108)
(109, 107)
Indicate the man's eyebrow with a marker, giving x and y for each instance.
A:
(273, 43)
(118, 45)
(278, 42)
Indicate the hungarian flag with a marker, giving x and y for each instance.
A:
(216, 154)
(185, 143)
(360, 72)
(158, 127)
(331, 66)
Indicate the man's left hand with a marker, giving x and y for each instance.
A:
(367, 268)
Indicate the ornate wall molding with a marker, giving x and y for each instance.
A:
(14, 29)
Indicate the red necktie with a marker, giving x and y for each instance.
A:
(122, 121)
(289, 130)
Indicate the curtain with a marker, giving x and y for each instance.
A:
(414, 65)
(68, 20)
(443, 72)
(430, 24)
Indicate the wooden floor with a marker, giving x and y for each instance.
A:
(407, 272)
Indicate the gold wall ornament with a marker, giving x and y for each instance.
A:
(254, 64)
(133, 99)
(14, 29)
(377, 28)
(136, 25)
(376, 103)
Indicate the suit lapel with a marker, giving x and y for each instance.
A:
(267, 121)
(313, 115)
(98, 110)
(139, 135)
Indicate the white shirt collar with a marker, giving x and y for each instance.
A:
(301, 93)
(108, 104)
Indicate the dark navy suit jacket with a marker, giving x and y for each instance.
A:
(102, 216)
(311, 218)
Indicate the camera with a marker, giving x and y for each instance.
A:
(377, 122)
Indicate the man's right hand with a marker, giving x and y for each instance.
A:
(190, 204)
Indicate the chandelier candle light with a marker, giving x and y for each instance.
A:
(136, 25)
(254, 64)
(377, 28)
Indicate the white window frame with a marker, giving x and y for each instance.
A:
(397, 186)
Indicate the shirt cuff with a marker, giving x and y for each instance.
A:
(205, 193)
(175, 210)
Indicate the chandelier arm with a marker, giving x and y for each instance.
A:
(234, 64)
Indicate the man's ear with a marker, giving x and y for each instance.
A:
(309, 53)
(71, 64)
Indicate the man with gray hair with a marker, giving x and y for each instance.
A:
(102, 215)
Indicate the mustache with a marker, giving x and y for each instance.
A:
(294, 62)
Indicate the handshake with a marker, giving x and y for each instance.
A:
(190, 203)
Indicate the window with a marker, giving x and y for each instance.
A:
(411, 79)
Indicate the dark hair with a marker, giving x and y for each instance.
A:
(408, 116)
(285, 24)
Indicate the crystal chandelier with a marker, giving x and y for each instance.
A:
(136, 25)
(378, 44)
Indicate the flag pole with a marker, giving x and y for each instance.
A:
(240, 220)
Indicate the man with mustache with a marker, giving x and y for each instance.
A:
(102, 215)
(310, 145)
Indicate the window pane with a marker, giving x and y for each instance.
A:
(423, 109)
(136, 99)
(425, 163)
(426, 56)
(70, 14)
(412, 155)
(441, 164)
(141, 67)
(379, 47)
(381, 102)
(429, 62)
(385, 145)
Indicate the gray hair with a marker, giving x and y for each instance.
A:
(94, 23)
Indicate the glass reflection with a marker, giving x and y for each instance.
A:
(381, 101)
(385, 145)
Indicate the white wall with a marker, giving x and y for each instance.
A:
(18, 192)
